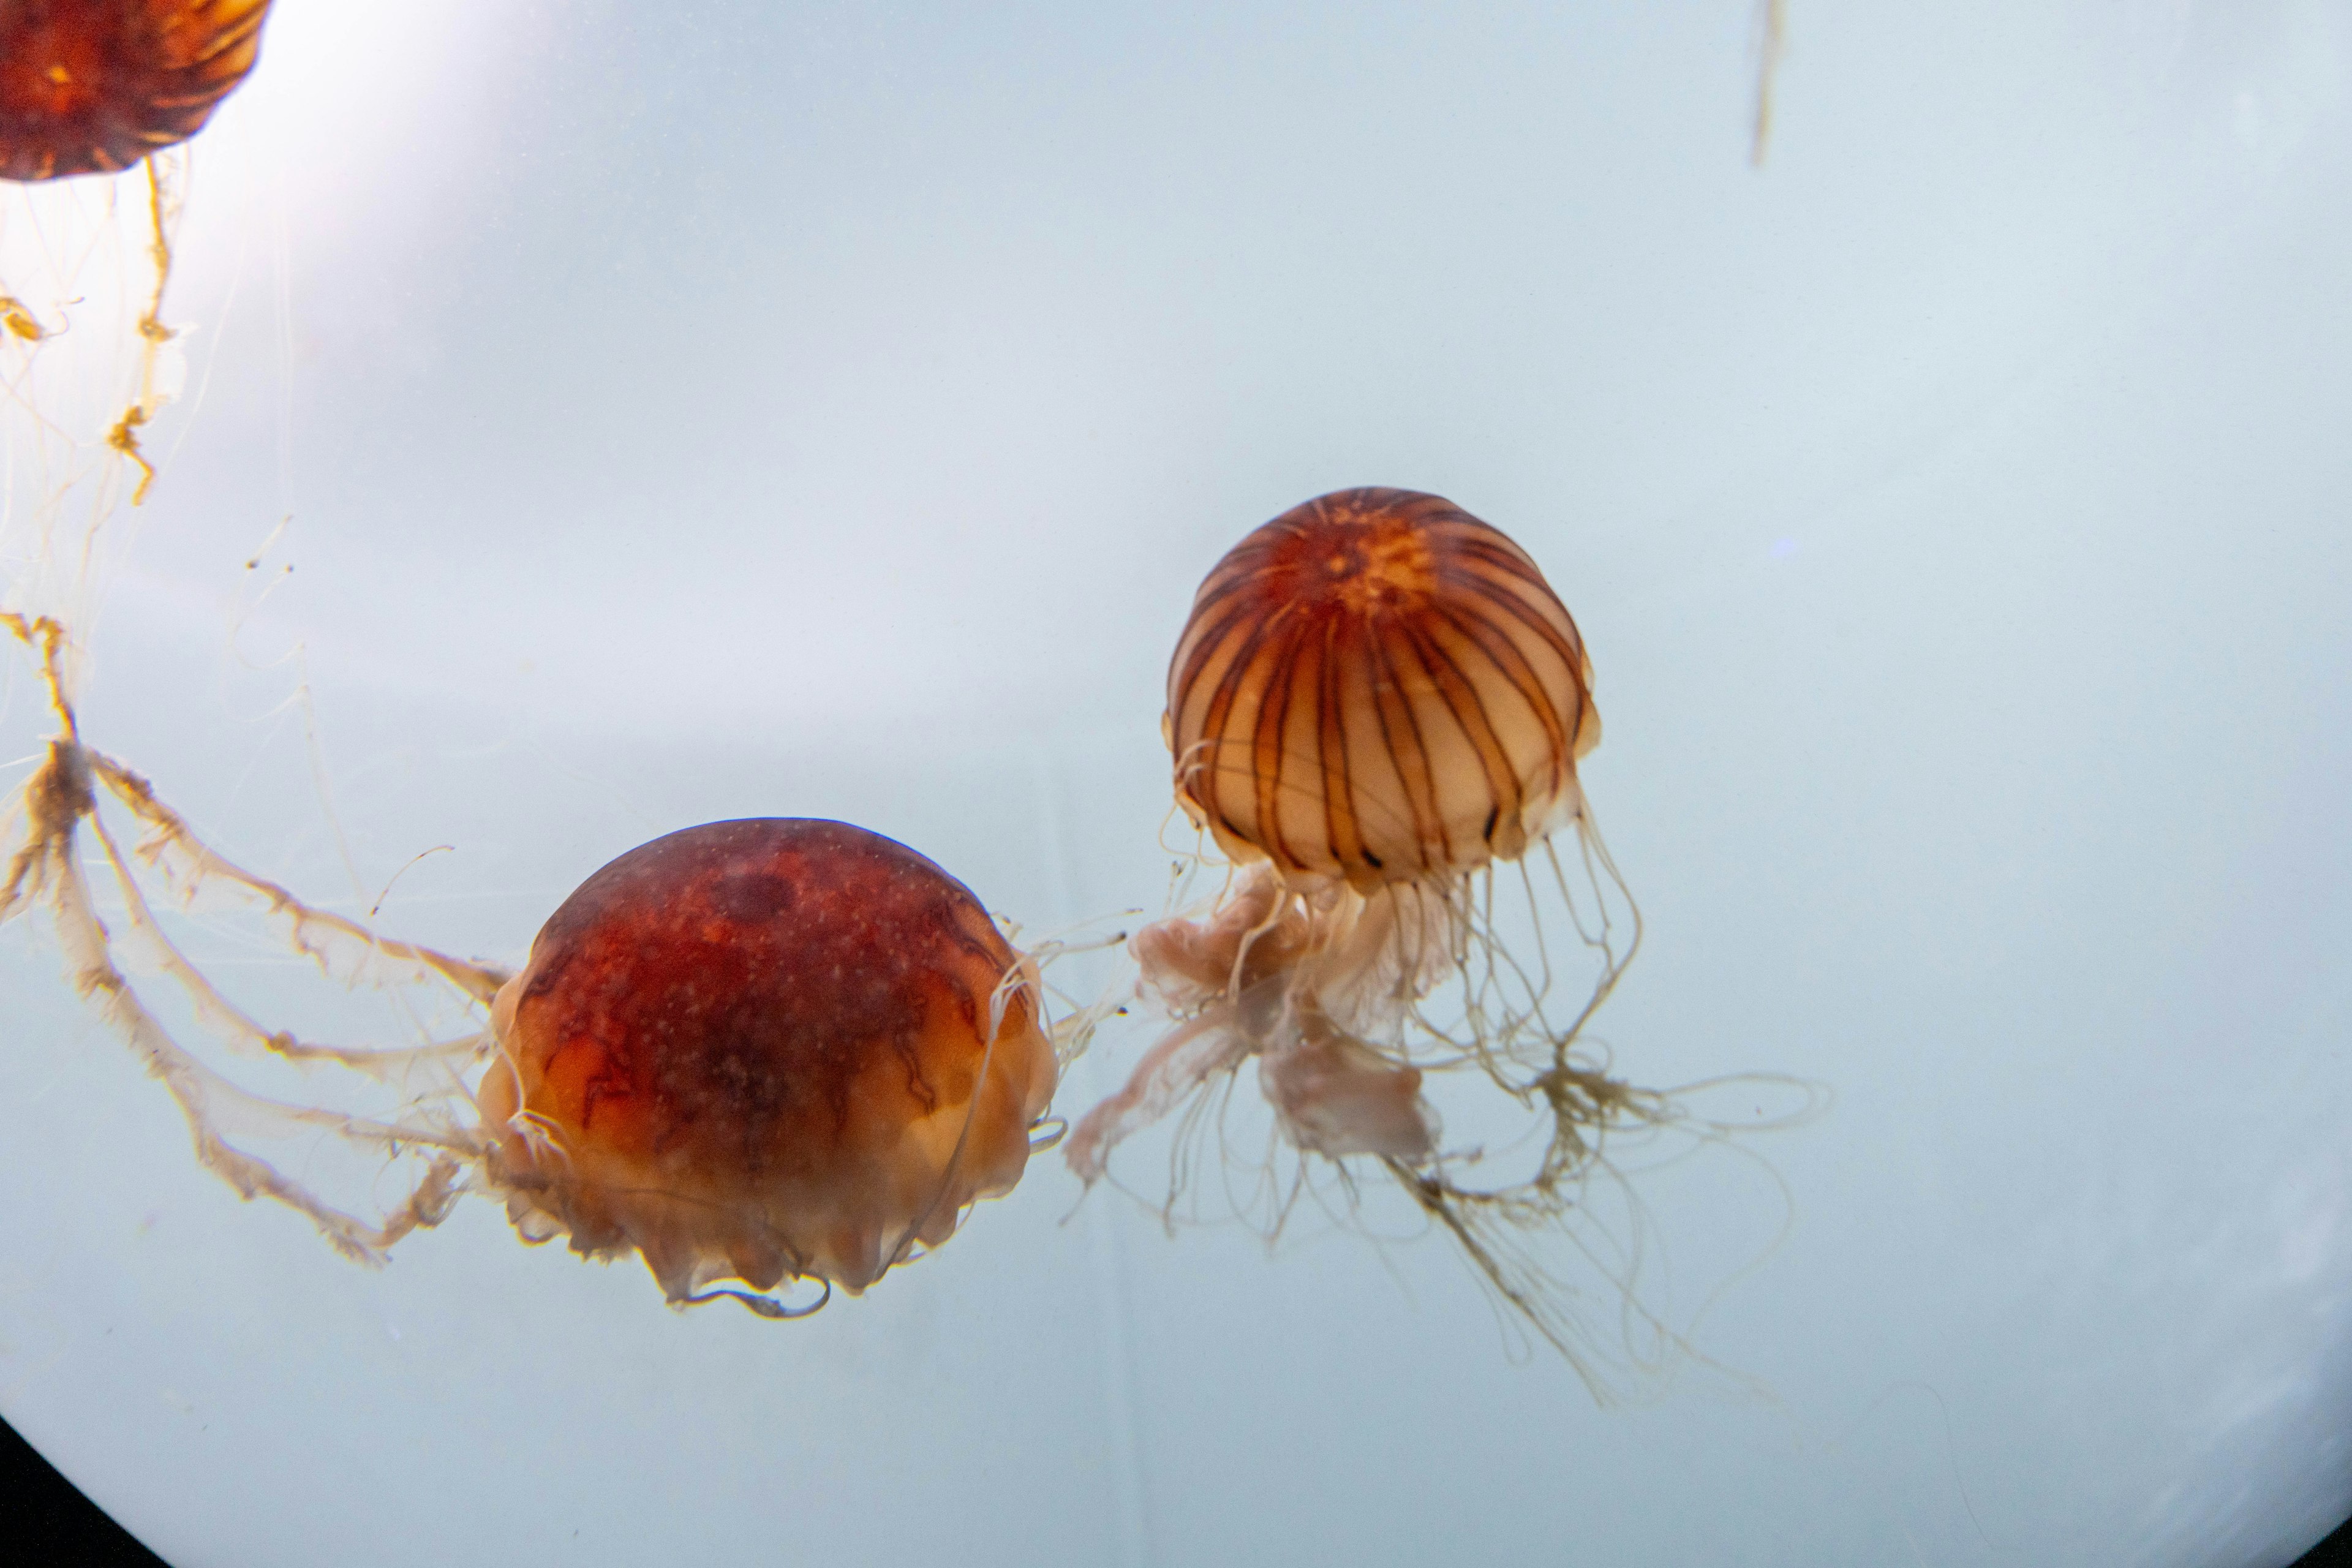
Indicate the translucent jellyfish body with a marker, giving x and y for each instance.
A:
(1376, 711)
(758, 1049)
(91, 87)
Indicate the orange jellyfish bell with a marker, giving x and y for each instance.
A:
(1378, 686)
(90, 86)
(764, 1049)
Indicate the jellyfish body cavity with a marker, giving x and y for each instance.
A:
(90, 86)
(762, 1049)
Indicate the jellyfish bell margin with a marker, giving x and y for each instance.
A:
(1375, 711)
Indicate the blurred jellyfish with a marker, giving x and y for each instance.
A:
(91, 87)
(1376, 711)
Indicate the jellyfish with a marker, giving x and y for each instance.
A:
(1376, 713)
(92, 87)
(757, 1051)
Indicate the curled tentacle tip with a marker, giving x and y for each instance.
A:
(767, 1307)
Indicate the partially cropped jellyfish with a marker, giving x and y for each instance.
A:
(89, 90)
(1376, 711)
(91, 87)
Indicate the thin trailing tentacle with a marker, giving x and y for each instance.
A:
(61, 798)
(190, 865)
(1359, 999)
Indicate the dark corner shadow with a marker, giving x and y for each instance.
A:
(51, 1521)
(2333, 1553)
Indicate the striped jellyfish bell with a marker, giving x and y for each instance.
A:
(1377, 688)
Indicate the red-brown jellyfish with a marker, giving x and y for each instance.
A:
(1376, 710)
(758, 1049)
(755, 1051)
(91, 87)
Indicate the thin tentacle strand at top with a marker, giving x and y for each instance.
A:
(43, 821)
